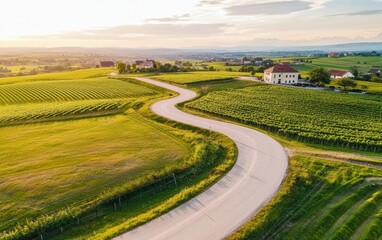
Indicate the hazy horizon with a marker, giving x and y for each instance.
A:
(189, 24)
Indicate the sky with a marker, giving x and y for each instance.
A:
(188, 23)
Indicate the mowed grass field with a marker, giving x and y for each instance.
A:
(310, 116)
(194, 77)
(46, 166)
(341, 63)
(222, 67)
(373, 87)
(321, 199)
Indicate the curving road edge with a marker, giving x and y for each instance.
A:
(229, 203)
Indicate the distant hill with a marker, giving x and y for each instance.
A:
(352, 47)
(198, 52)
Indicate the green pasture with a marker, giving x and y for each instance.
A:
(48, 166)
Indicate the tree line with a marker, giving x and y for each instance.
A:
(159, 67)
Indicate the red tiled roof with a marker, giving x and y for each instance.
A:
(281, 68)
(107, 64)
(339, 73)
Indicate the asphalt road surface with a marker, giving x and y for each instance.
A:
(218, 211)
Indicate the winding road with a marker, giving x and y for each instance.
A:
(218, 211)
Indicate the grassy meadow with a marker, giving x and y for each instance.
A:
(363, 64)
(50, 165)
(373, 87)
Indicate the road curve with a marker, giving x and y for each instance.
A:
(214, 214)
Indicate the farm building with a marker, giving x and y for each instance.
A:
(246, 61)
(374, 72)
(340, 74)
(281, 74)
(145, 63)
(107, 64)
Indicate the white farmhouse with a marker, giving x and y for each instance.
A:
(340, 74)
(281, 74)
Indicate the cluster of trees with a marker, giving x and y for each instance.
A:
(4, 70)
(376, 79)
(158, 67)
(367, 54)
(347, 83)
(319, 77)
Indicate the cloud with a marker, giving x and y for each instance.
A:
(360, 13)
(142, 31)
(177, 18)
(209, 2)
(269, 8)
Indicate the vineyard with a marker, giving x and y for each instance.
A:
(321, 200)
(318, 117)
(72, 75)
(59, 91)
(56, 100)
(28, 113)
(202, 76)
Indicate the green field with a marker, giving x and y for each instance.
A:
(319, 117)
(75, 90)
(202, 76)
(51, 165)
(222, 67)
(321, 200)
(36, 101)
(73, 75)
(364, 85)
(53, 171)
(342, 63)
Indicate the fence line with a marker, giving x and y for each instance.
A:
(113, 205)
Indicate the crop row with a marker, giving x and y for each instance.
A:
(26, 113)
(58, 91)
(310, 116)
(321, 200)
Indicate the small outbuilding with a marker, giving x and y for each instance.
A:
(107, 64)
(340, 74)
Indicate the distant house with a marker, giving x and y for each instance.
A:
(258, 61)
(374, 72)
(246, 61)
(333, 54)
(281, 74)
(268, 62)
(340, 74)
(107, 64)
(145, 63)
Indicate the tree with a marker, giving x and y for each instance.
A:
(319, 76)
(121, 67)
(376, 79)
(347, 82)
(354, 71)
